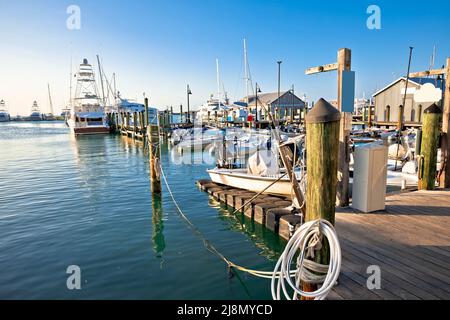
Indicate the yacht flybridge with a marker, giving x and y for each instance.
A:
(87, 115)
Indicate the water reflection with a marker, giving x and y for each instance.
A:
(270, 244)
(158, 241)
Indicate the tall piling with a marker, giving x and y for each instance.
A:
(322, 145)
(154, 152)
(429, 146)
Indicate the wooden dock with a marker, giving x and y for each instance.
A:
(409, 241)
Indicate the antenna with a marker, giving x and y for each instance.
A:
(101, 80)
(433, 58)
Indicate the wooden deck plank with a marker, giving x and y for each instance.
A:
(410, 241)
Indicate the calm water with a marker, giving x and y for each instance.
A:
(87, 202)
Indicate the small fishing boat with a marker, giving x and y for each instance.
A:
(240, 178)
(4, 115)
(262, 172)
(87, 115)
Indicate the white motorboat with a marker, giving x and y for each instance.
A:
(240, 178)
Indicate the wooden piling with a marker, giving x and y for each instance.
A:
(344, 61)
(134, 124)
(444, 176)
(429, 146)
(322, 145)
(400, 118)
(154, 152)
(322, 132)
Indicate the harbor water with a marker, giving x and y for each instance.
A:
(86, 202)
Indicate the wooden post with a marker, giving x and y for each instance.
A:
(181, 113)
(429, 146)
(141, 122)
(369, 115)
(154, 152)
(134, 124)
(344, 64)
(122, 126)
(444, 176)
(400, 118)
(322, 143)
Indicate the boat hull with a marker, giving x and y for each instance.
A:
(253, 183)
(90, 130)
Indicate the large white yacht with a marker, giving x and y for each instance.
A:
(4, 115)
(35, 112)
(87, 115)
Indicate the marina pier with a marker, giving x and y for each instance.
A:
(250, 151)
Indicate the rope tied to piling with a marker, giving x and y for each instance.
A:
(305, 241)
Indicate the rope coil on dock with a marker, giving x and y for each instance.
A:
(307, 239)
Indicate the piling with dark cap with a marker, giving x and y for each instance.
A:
(322, 147)
(429, 146)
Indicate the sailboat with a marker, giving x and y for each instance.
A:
(50, 115)
(35, 112)
(87, 115)
(4, 115)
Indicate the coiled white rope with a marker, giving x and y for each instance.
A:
(305, 240)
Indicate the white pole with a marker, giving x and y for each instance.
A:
(218, 80)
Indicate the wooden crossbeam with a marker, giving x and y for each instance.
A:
(434, 72)
(324, 68)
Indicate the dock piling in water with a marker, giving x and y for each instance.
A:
(154, 153)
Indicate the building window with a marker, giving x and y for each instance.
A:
(413, 114)
(387, 113)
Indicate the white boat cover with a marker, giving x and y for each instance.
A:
(263, 163)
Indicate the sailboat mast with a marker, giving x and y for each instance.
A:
(101, 80)
(70, 81)
(218, 81)
(114, 84)
(50, 99)
(246, 78)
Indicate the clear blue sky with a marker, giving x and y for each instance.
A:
(160, 46)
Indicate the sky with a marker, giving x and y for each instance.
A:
(158, 47)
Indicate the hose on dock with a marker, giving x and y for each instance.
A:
(307, 238)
